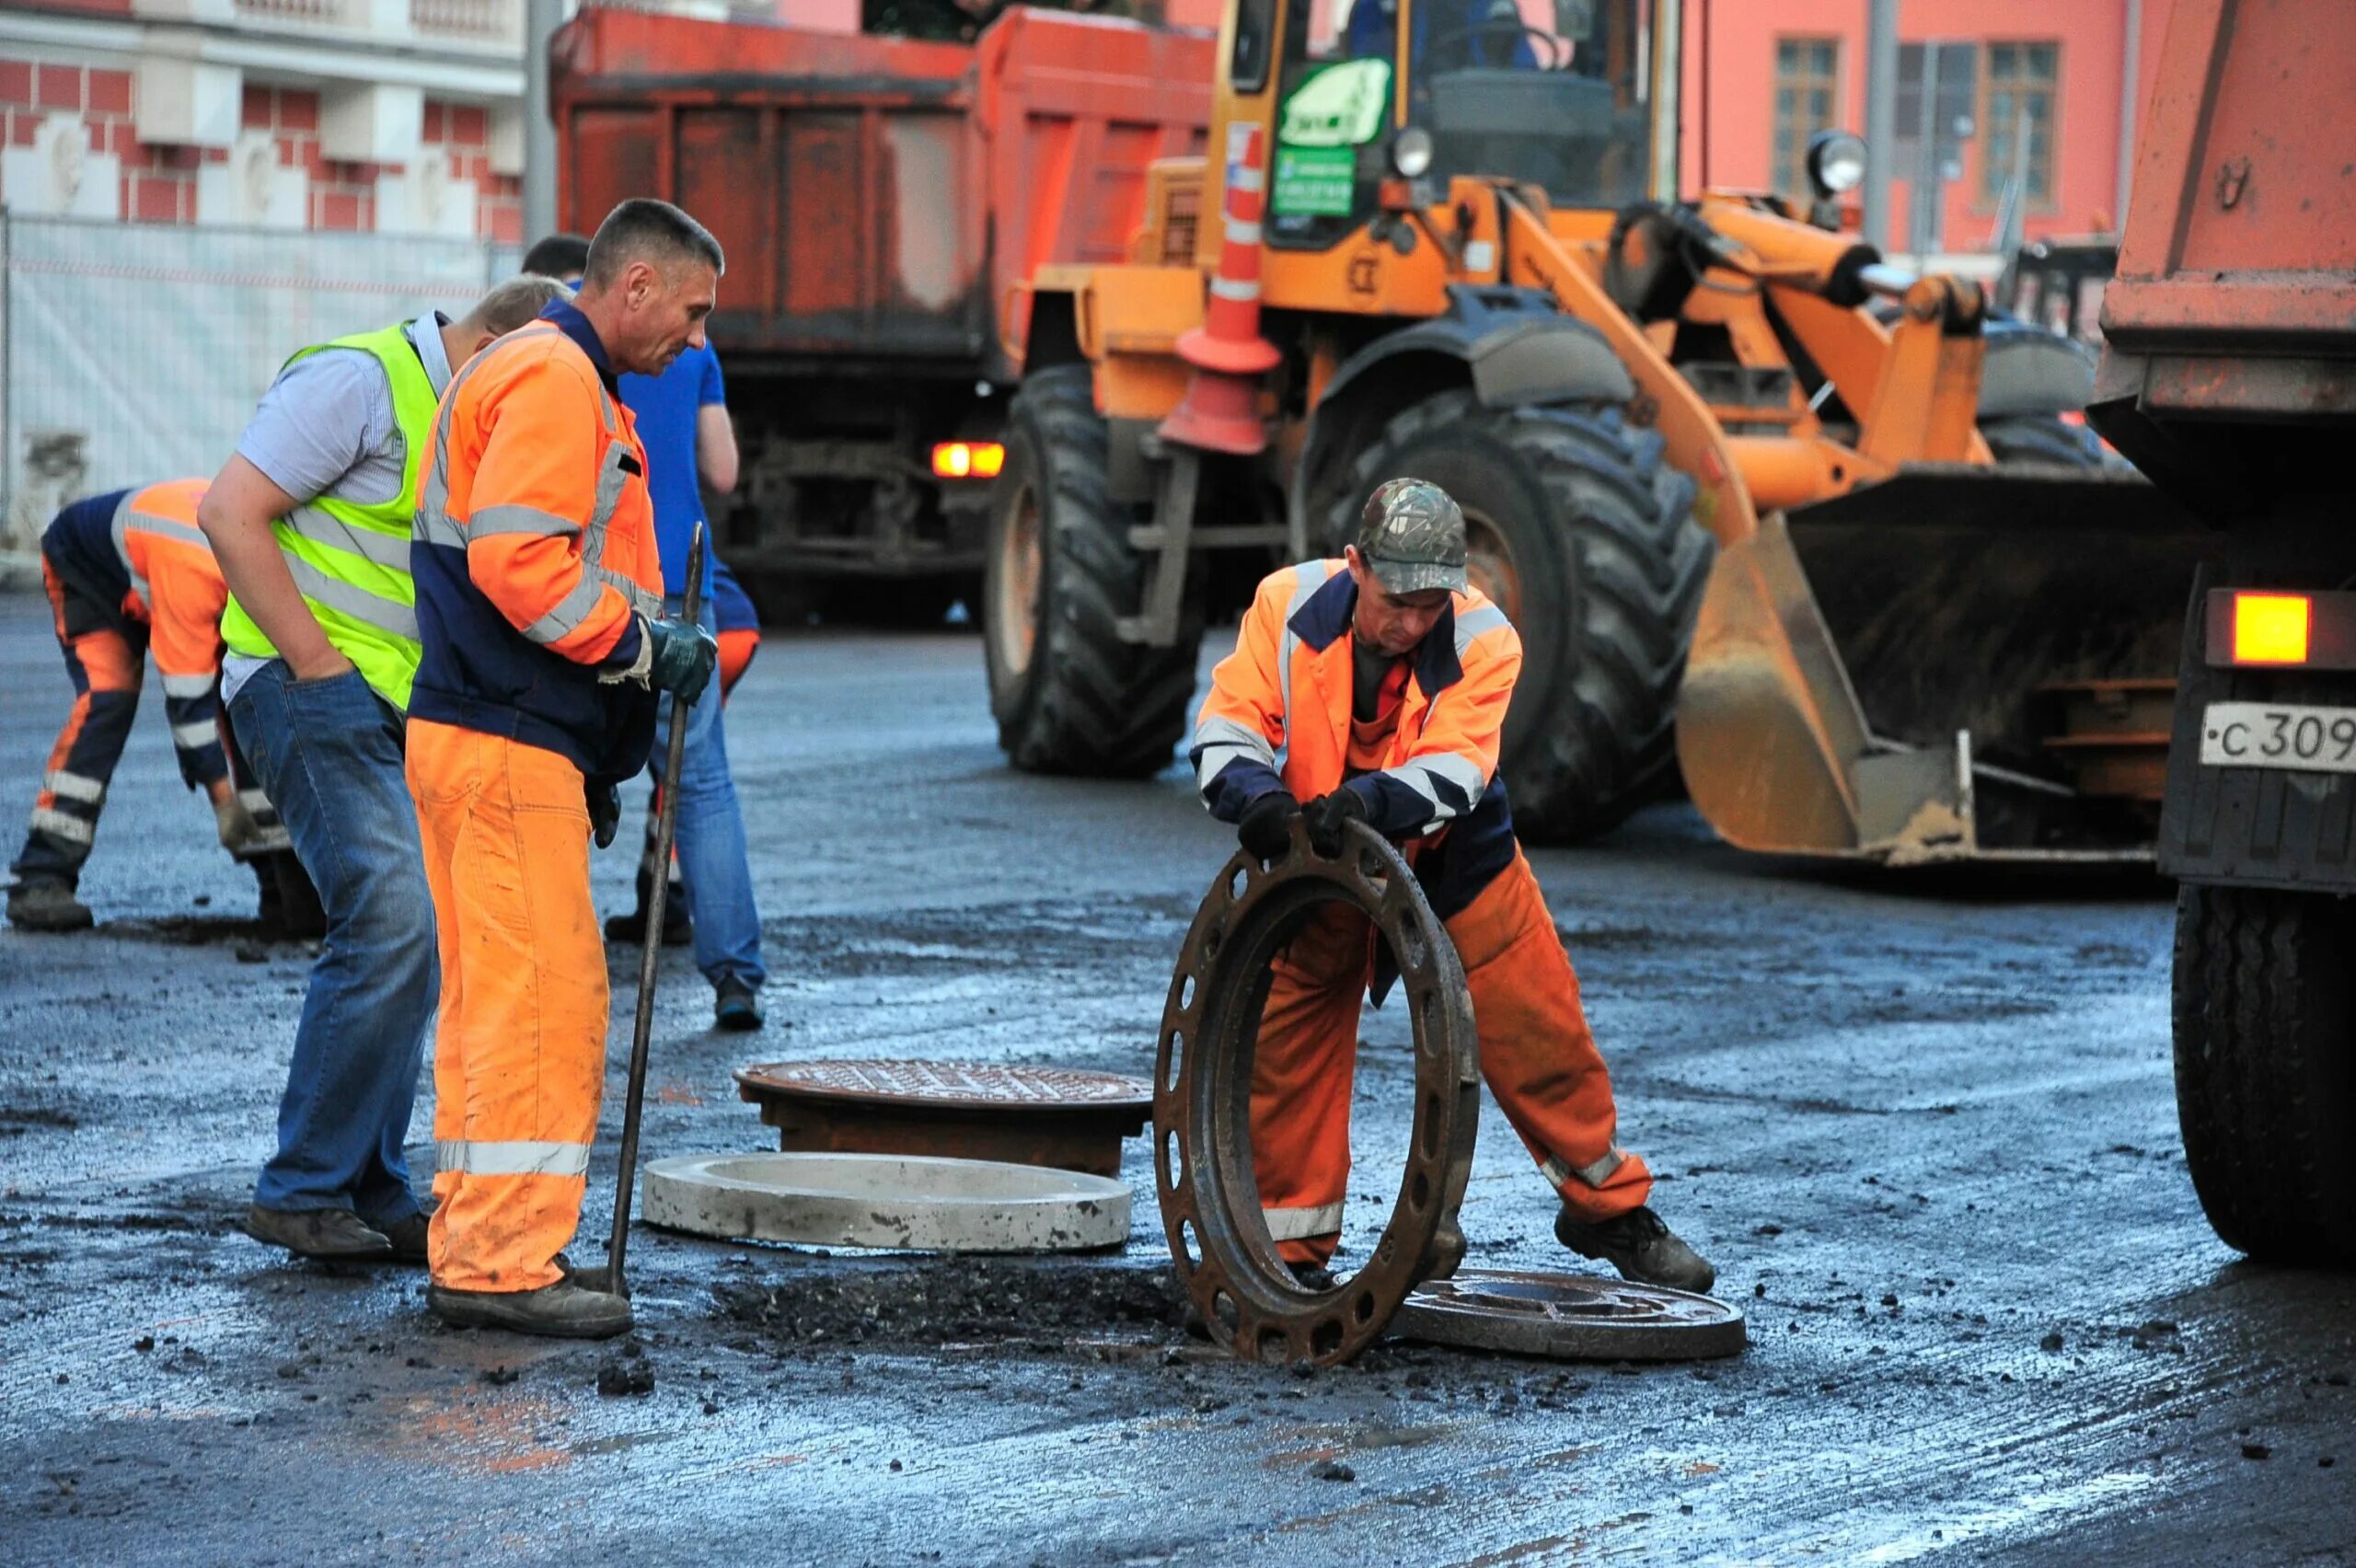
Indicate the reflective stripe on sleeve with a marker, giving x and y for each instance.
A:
(528, 520)
(74, 787)
(518, 1159)
(1299, 1223)
(147, 523)
(1223, 740)
(568, 612)
(1307, 578)
(184, 687)
(73, 829)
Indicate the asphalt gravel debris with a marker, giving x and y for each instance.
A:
(1014, 1303)
(1332, 1470)
(622, 1375)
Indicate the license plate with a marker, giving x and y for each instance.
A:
(2278, 734)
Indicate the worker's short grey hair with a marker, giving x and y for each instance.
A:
(514, 302)
(643, 229)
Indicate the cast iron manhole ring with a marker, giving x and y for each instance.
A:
(1566, 1318)
(1202, 1147)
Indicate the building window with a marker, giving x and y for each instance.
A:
(1807, 90)
(2018, 124)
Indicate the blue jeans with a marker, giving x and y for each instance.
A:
(712, 857)
(328, 755)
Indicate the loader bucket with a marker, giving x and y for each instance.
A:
(1962, 662)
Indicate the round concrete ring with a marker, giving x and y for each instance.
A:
(1202, 1148)
(887, 1200)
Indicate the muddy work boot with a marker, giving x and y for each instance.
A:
(47, 906)
(563, 1310)
(678, 927)
(1640, 1247)
(408, 1236)
(316, 1233)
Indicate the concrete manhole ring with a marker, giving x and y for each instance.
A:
(1220, 1243)
(1569, 1317)
(887, 1200)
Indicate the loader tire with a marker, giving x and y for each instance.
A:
(2265, 1024)
(1588, 541)
(1069, 694)
(2044, 439)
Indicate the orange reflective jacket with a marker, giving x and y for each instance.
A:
(535, 555)
(1278, 718)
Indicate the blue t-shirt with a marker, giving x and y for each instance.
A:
(665, 406)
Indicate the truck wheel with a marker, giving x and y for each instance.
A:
(1069, 694)
(2265, 1005)
(1587, 540)
(2043, 438)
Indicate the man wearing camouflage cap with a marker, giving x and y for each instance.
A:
(1374, 688)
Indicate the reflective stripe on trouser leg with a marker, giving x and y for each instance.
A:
(1536, 1051)
(105, 669)
(1301, 1082)
(520, 1049)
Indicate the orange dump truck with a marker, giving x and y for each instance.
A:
(2229, 376)
(877, 198)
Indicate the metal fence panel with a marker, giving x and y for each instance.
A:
(134, 352)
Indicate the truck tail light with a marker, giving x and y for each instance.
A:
(967, 460)
(2272, 629)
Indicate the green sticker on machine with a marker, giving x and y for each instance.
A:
(1313, 181)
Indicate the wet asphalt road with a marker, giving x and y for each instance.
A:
(1926, 1134)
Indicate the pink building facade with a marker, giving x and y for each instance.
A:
(2022, 94)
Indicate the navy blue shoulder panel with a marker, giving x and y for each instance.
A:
(1327, 613)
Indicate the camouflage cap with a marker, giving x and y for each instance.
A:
(1411, 536)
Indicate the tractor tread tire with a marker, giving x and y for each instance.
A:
(1089, 704)
(2043, 439)
(1592, 738)
(2264, 1036)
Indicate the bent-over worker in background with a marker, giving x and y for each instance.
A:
(1385, 677)
(540, 607)
(310, 521)
(128, 574)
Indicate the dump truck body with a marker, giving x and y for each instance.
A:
(876, 197)
(2229, 375)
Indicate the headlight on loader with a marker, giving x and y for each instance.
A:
(1836, 163)
(1411, 153)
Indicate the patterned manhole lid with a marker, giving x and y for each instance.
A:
(1569, 1317)
(964, 1086)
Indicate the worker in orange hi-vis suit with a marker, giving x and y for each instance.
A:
(128, 574)
(539, 605)
(1384, 678)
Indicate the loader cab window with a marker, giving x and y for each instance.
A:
(1552, 93)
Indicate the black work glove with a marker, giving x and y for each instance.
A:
(683, 658)
(1329, 818)
(605, 811)
(1266, 828)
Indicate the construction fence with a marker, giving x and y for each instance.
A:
(131, 353)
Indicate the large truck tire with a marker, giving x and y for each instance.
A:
(1586, 539)
(2046, 439)
(2265, 1017)
(1069, 694)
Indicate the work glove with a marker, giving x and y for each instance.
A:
(1266, 828)
(682, 658)
(237, 829)
(605, 811)
(1329, 817)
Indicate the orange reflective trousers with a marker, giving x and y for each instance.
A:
(1536, 1053)
(519, 1054)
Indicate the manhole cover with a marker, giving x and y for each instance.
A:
(880, 1200)
(1567, 1318)
(1061, 1117)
